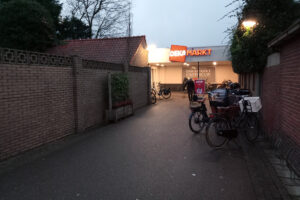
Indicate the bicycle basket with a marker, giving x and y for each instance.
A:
(253, 104)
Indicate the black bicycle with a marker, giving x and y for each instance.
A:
(198, 118)
(153, 97)
(165, 93)
(227, 123)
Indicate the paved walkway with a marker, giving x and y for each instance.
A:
(152, 155)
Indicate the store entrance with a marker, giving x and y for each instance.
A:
(205, 73)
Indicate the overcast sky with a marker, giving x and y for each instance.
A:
(184, 22)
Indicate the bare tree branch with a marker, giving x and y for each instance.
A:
(105, 18)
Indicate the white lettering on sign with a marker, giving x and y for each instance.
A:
(177, 53)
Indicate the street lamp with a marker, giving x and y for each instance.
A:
(249, 24)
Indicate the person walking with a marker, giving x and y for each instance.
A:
(190, 88)
(184, 83)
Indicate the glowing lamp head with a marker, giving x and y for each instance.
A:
(249, 23)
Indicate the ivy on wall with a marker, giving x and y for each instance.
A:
(249, 46)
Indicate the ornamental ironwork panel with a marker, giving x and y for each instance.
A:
(13, 56)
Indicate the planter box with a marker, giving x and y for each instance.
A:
(119, 113)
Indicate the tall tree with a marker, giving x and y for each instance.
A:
(52, 6)
(25, 24)
(249, 47)
(105, 18)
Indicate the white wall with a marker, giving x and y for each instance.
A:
(225, 73)
(173, 74)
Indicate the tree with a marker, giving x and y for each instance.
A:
(73, 28)
(25, 24)
(105, 18)
(249, 47)
(52, 6)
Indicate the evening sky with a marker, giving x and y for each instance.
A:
(190, 22)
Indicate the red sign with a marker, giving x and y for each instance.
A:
(177, 53)
(199, 86)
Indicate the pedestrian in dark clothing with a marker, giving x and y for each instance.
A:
(184, 83)
(191, 88)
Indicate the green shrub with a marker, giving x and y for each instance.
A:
(120, 88)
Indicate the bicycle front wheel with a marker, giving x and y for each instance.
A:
(166, 94)
(196, 123)
(214, 136)
(252, 127)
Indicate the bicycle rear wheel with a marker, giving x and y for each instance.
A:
(214, 135)
(153, 98)
(252, 127)
(196, 122)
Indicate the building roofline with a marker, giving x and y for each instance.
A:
(286, 34)
(113, 38)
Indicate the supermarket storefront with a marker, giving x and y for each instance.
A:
(170, 66)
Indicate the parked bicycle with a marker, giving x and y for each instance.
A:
(198, 118)
(227, 123)
(153, 97)
(224, 123)
(165, 93)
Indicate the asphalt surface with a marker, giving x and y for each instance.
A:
(152, 155)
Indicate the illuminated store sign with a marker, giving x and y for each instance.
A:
(199, 52)
(179, 53)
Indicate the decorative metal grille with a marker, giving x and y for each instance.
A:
(13, 56)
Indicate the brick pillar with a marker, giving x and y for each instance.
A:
(77, 66)
(149, 84)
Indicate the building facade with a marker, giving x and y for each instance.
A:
(169, 66)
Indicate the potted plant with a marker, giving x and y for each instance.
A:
(121, 104)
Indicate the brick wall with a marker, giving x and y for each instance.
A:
(36, 103)
(92, 92)
(139, 84)
(280, 93)
(270, 98)
(290, 89)
(44, 98)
